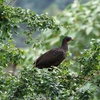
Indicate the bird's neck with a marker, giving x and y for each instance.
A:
(64, 47)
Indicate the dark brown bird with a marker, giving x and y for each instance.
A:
(53, 57)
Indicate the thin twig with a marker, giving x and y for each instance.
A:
(10, 2)
(14, 2)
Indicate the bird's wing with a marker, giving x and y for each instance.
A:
(49, 57)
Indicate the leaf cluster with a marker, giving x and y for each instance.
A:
(12, 19)
(73, 80)
(62, 83)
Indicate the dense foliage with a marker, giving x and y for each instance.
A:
(77, 78)
(83, 83)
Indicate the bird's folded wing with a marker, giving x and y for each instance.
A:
(49, 57)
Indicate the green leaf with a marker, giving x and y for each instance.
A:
(89, 30)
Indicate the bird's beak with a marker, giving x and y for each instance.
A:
(72, 39)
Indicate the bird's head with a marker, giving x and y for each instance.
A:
(66, 40)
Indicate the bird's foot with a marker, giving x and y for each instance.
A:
(50, 69)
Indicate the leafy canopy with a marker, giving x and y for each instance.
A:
(75, 79)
